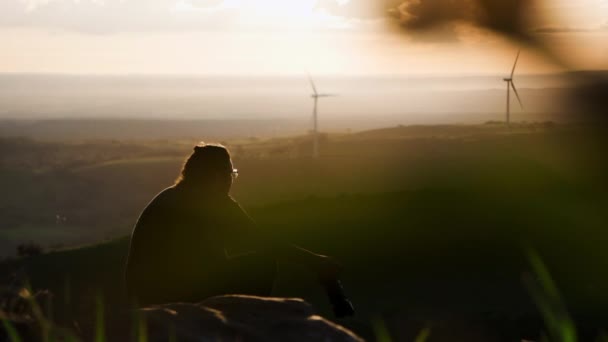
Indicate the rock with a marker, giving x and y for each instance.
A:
(242, 318)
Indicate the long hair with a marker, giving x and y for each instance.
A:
(205, 160)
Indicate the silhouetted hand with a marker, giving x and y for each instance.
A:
(327, 269)
(341, 305)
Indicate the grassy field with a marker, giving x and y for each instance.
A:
(430, 223)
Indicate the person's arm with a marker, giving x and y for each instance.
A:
(247, 236)
(327, 271)
(324, 267)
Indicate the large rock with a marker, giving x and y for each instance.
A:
(242, 318)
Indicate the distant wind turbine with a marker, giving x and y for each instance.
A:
(510, 85)
(315, 95)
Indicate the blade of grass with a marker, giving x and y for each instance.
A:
(423, 335)
(12, 333)
(172, 333)
(45, 325)
(546, 295)
(99, 321)
(142, 329)
(381, 330)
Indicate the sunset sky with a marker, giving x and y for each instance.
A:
(274, 37)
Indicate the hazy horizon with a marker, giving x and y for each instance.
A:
(388, 100)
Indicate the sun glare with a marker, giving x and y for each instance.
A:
(278, 14)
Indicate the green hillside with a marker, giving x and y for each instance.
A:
(428, 223)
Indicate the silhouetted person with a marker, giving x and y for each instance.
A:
(194, 241)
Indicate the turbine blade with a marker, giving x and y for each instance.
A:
(517, 95)
(515, 64)
(312, 83)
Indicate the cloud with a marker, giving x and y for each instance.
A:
(360, 9)
(425, 20)
(569, 29)
(415, 14)
(560, 29)
(511, 17)
(93, 16)
(110, 16)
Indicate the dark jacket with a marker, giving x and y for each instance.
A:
(179, 247)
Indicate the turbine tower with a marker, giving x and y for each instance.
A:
(315, 131)
(510, 85)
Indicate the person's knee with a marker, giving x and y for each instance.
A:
(253, 274)
(259, 264)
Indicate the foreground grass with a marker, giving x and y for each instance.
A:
(558, 324)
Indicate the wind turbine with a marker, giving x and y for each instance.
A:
(315, 95)
(510, 85)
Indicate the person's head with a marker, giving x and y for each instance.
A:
(209, 169)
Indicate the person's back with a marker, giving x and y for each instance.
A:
(194, 241)
(171, 248)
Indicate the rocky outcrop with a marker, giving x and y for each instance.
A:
(241, 318)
